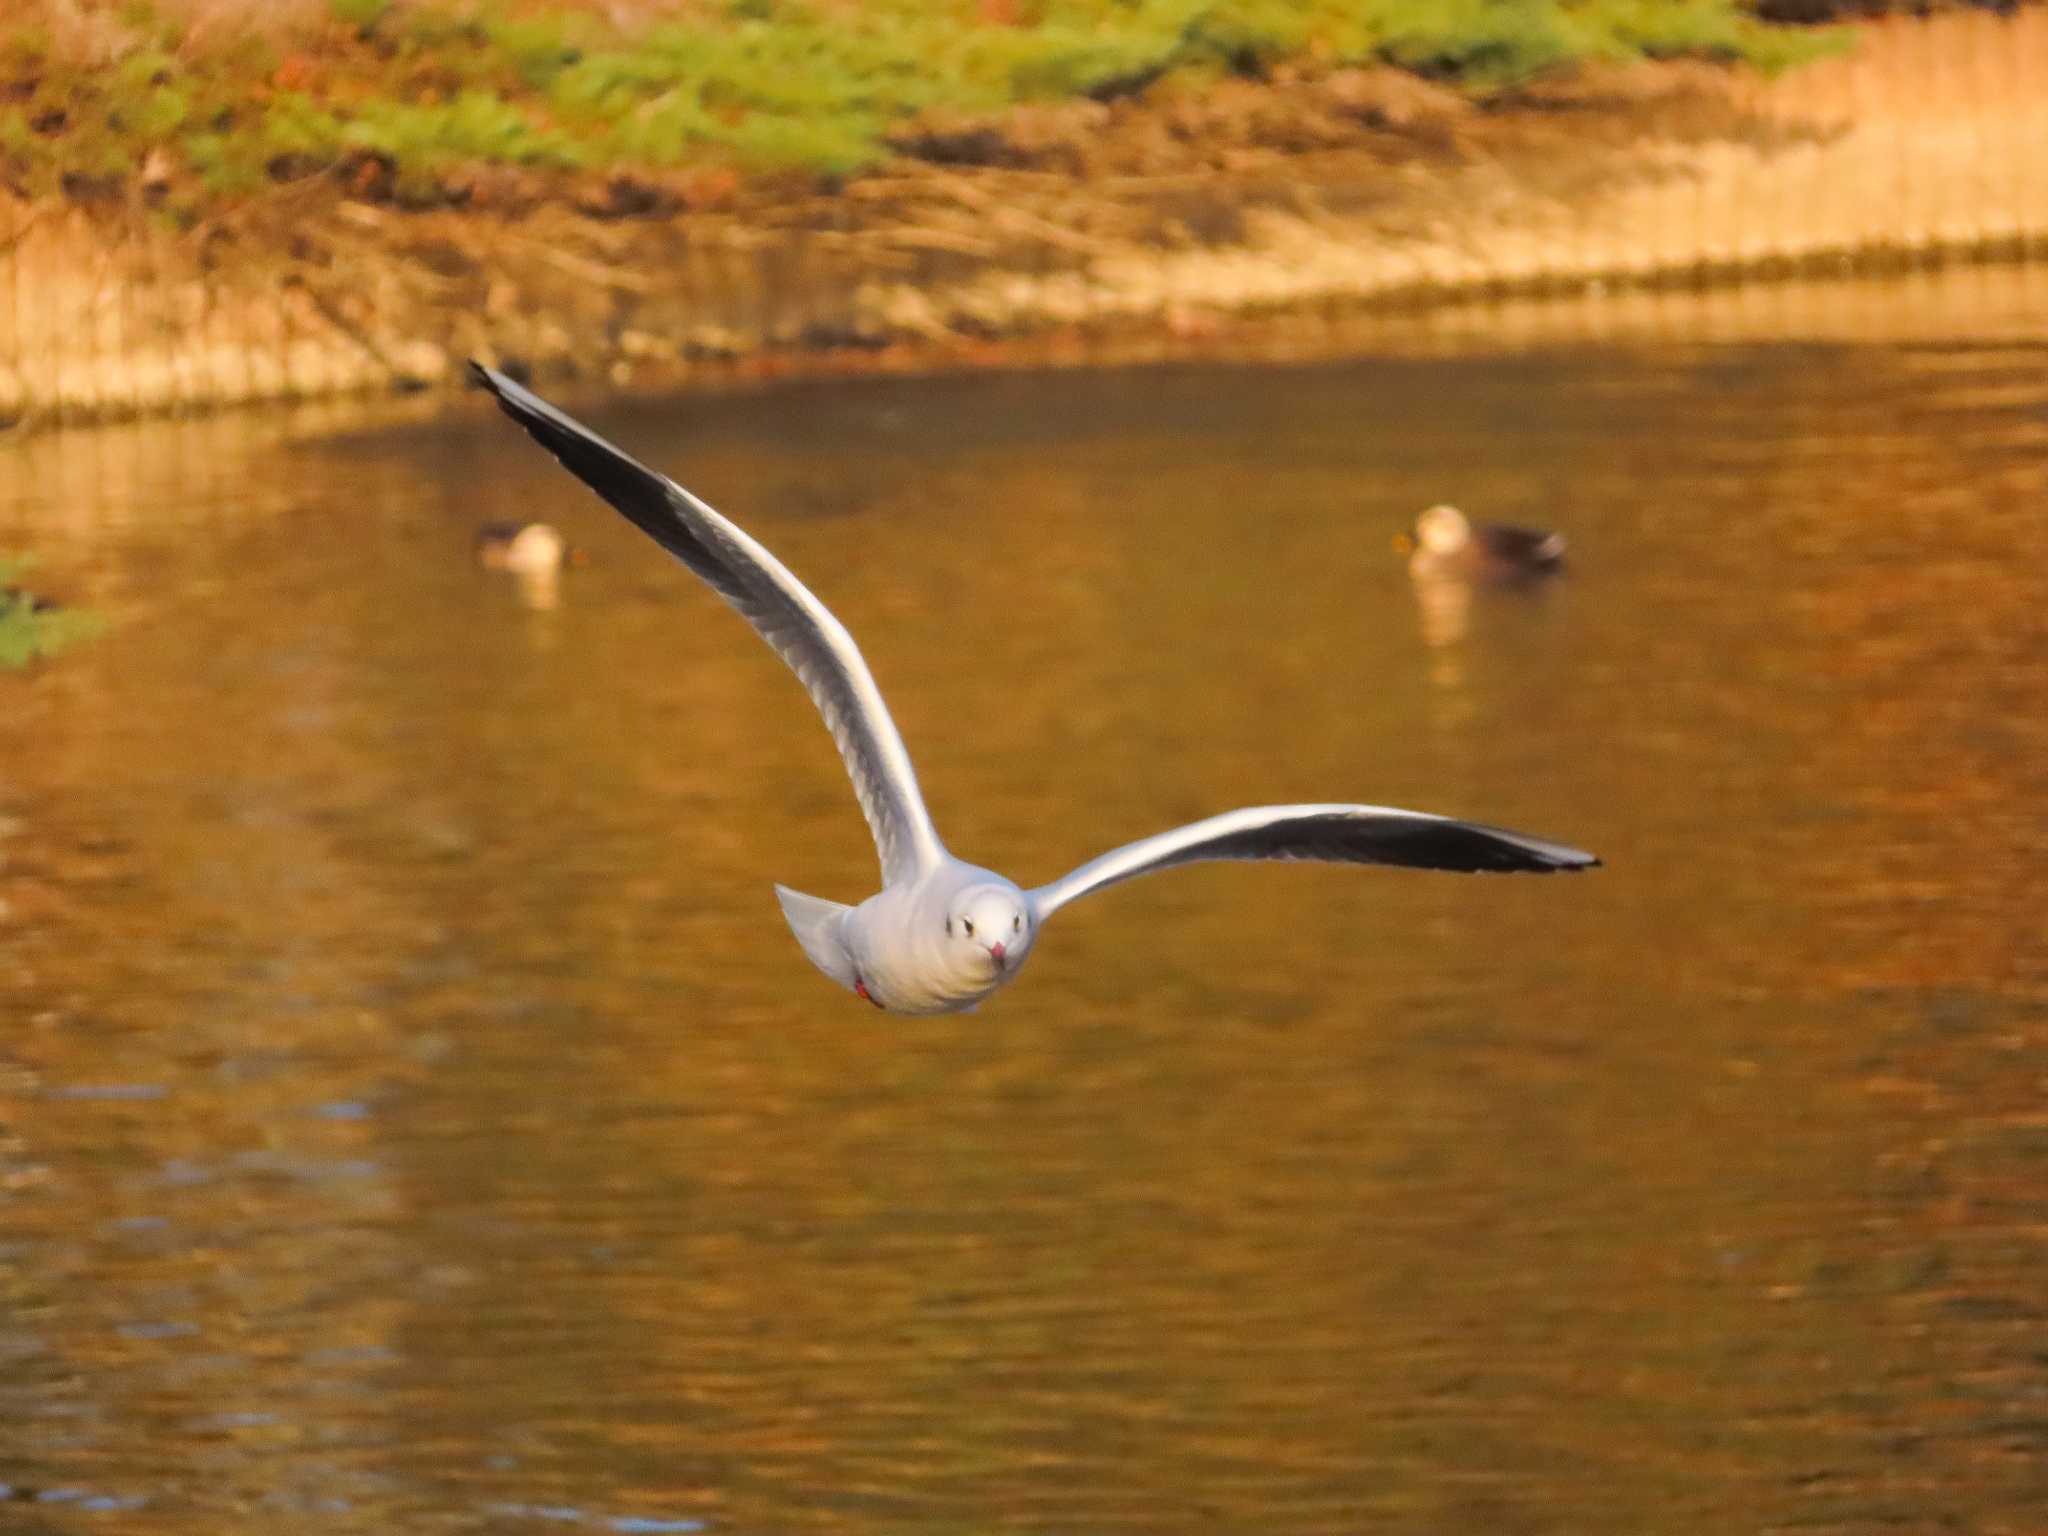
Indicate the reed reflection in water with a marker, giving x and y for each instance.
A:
(416, 1114)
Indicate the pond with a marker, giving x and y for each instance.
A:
(414, 1114)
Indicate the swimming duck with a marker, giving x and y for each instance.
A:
(528, 549)
(1448, 543)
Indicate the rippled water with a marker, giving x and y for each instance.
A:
(414, 1115)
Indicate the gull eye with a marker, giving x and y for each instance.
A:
(968, 924)
(1017, 923)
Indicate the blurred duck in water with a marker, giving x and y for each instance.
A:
(526, 549)
(534, 554)
(1447, 543)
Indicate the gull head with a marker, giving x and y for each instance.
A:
(1443, 530)
(988, 930)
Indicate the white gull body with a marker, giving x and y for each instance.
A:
(942, 934)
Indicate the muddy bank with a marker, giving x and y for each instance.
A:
(1362, 189)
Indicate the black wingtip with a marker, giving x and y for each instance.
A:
(1559, 860)
(622, 480)
(1473, 848)
(559, 434)
(513, 370)
(503, 385)
(1563, 860)
(1545, 866)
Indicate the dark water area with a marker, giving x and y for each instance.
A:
(415, 1116)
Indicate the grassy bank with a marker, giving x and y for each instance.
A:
(1168, 203)
(432, 103)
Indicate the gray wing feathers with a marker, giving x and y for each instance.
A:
(1342, 834)
(817, 647)
(799, 628)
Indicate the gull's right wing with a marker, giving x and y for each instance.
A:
(801, 629)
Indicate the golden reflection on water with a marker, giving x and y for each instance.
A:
(415, 1112)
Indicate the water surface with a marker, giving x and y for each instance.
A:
(414, 1115)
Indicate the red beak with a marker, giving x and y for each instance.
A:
(997, 951)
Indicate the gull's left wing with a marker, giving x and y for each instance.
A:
(1338, 834)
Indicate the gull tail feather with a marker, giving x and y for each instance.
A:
(816, 924)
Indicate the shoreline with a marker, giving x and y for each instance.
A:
(1919, 149)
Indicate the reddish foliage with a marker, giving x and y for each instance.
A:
(296, 72)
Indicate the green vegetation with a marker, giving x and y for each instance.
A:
(399, 96)
(31, 627)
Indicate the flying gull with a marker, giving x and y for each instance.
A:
(942, 934)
